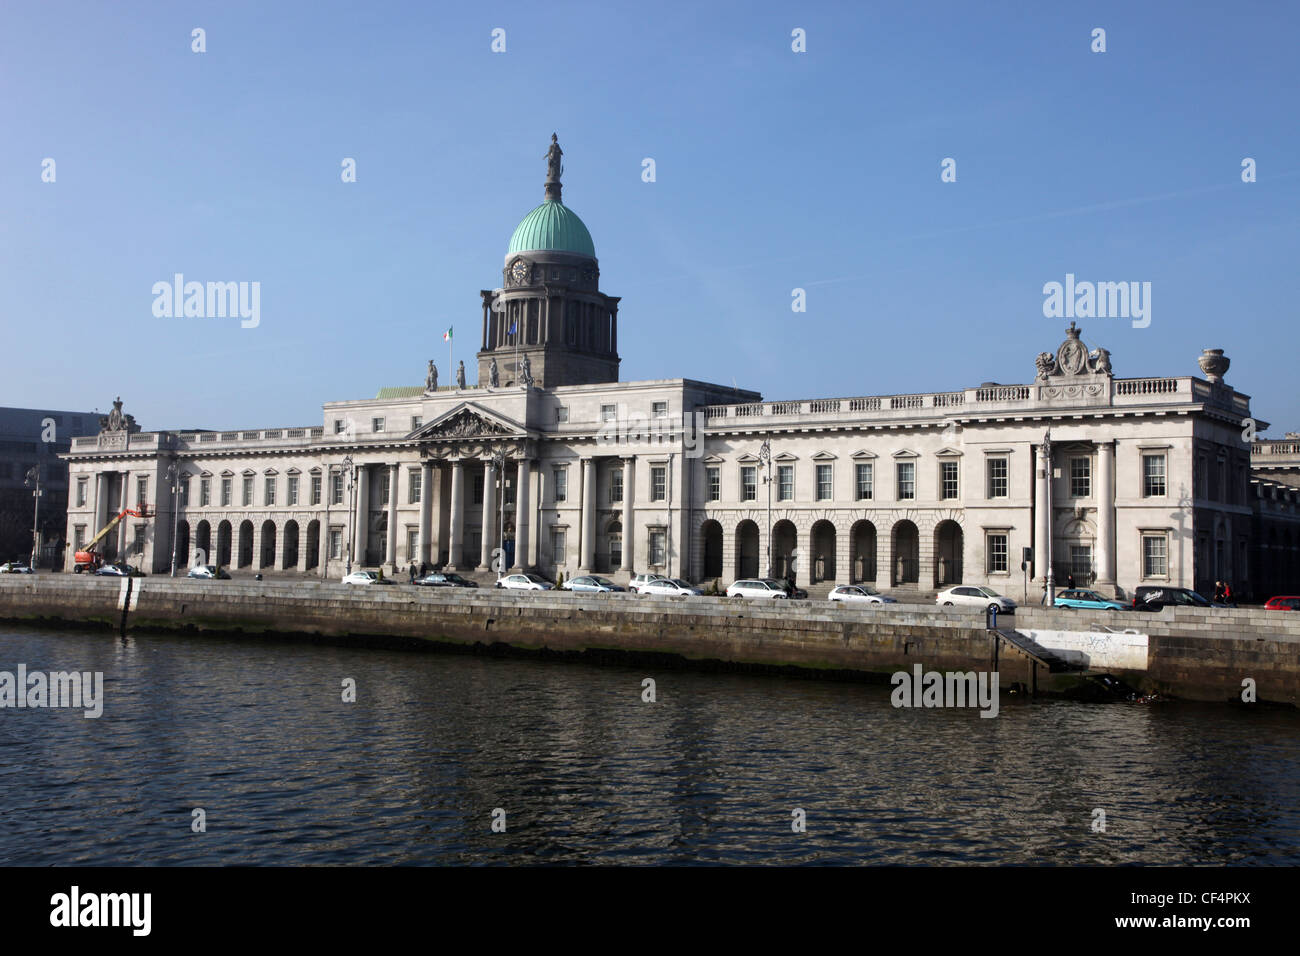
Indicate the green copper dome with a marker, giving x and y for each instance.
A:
(552, 227)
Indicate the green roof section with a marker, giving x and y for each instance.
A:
(552, 227)
(401, 391)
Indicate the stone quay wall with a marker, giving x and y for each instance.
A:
(1190, 653)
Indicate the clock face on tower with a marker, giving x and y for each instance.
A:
(519, 271)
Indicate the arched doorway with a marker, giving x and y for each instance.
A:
(245, 558)
(746, 549)
(290, 559)
(784, 541)
(223, 544)
(948, 543)
(862, 552)
(202, 545)
(712, 533)
(182, 548)
(905, 555)
(823, 552)
(267, 559)
(313, 544)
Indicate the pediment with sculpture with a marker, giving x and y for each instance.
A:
(1073, 372)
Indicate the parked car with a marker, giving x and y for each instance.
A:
(209, 572)
(14, 567)
(858, 594)
(592, 583)
(759, 588)
(1283, 602)
(792, 592)
(445, 579)
(1090, 600)
(640, 580)
(525, 582)
(670, 586)
(366, 577)
(1153, 598)
(975, 596)
(119, 570)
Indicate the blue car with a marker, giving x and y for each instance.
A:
(1091, 600)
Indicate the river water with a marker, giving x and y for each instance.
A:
(257, 735)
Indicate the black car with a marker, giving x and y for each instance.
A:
(791, 592)
(445, 579)
(1153, 598)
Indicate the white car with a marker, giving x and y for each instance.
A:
(591, 583)
(757, 588)
(208, 572)
(365, 577)
(670, 586)
(973, 596)
(525, 582)
(14, 567)
(641, 580)
(859, 594)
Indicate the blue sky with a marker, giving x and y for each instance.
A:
(775, 170)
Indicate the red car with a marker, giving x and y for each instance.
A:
(1283, 602)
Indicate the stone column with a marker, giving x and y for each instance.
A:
(323, 548)
(101, 506)
(629, 496)
(523, 512)
(1042, 520)
(489, 542)
(426, 511)
(454, 553)
(1105, 557)
(394, 474)
(120, 530)
(588, 554)
(361, 520)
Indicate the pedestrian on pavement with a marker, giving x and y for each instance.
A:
(1218, 592)
(412, 572)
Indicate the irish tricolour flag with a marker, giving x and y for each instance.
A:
(446, 336)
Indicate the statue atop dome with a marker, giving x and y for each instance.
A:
(554, 169)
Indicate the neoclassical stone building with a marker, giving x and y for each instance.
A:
(564, 468)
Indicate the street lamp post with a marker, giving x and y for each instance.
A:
(499, 462)
(765, 459)
(1051, 577)
(350, 470)
(33, 481)
(173, 475)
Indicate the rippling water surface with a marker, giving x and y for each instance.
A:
(257, 735)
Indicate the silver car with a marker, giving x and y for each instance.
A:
(670, 586)
(758, 588)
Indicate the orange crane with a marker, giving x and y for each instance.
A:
(88, 559)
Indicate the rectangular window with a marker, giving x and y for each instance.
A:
(417, 421)
(748, 483)
(292, 491)
(997, 469)
(608, 413)
(906, 480)
(659, 409)
(339, 426)
(948, 480)
(336, 543)
(1155, 555)
(336, 489)
(412, 543)
(862, 481)
(825, 483)
(561, 476)
(658, 547)
(376, 424)
(559, 539)
(714, 474)
(79, 537)
(1153, 476)
(658, 483)
(478, 489)
(562, 414)
(184, 492)
(315, 489)
(137, 545)
(385, 480)
(785, 482)
(997, 553)
(413, 486)
(227, 491)
(81, 492)
(1080, 477)
(142, 491)
(616, 486)
(1081, 563)
(205, 492)
(615, 550)
(270, 490)
(248, 492)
